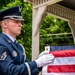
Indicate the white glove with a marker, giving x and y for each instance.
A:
(44, 60)
(43, 53)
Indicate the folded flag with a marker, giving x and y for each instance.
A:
(63, 63)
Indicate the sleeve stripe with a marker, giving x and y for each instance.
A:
(29, 71)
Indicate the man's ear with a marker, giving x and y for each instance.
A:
(4, 23)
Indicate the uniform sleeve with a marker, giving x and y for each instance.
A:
(7, 66)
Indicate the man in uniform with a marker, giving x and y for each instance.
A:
(13, 60)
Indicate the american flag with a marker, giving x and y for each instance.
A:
(63, 63)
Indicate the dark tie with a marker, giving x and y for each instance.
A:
(16, 43)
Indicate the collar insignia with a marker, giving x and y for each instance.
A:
(9, 41)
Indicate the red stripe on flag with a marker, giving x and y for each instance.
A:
(61, 68)
(63, 53)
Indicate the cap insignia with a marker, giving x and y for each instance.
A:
(20, 9)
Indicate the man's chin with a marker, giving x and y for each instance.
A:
(18, 34)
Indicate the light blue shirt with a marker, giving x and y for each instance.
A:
(13, 39)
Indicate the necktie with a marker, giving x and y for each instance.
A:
(16, 43)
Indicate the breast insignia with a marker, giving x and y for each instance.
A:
(14, 53)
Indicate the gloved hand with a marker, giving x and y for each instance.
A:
(43, 53)
(44, 60)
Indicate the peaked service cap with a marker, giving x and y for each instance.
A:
(12, 13)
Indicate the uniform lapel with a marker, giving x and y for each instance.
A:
(6, 38)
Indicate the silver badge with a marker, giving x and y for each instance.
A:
(14, 53)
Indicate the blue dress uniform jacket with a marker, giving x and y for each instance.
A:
(13, 60)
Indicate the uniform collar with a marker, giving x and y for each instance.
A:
(13, 39)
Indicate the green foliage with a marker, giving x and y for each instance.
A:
(52, 25)
(4, 3)
(26, 34)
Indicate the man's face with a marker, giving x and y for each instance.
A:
(13, 27)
